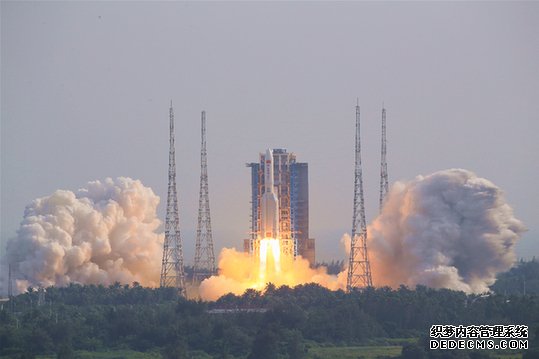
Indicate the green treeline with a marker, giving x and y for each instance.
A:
(97, 318)
(521, 279)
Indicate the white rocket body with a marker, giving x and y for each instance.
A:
(269, 204)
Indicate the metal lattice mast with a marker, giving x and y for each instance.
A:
(172, 273)
(10, 289)
(359, 271)
(384, 183)
(204, 254)
(9, 283)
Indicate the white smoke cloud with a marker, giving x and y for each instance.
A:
(450, 229)
(101, 234)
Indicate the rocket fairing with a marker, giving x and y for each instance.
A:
(269, 204)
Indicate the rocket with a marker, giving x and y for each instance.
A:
(269, 204)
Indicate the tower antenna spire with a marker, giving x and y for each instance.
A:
(10, 289)
(359, 270)
(384, 182)
(172, 271)
(204, 254)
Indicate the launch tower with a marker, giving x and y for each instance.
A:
(359, 271)
(204, 255)
(384, 184)
(172, 273)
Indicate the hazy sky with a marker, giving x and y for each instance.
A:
(85, 89)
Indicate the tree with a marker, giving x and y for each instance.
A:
(294, 346)
(265, 345)
(175, 350)
(65, 352)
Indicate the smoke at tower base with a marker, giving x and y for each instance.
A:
(238, 272)
(450, 229)
(100, 234)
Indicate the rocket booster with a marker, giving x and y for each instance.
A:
(269, 204)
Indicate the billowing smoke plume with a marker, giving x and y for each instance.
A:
(101, 234)
(238, 272)
(450, 229)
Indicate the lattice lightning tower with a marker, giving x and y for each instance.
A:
(172, 274)
(204, 254)
(10, 289)
(384, 184)
(359, 271)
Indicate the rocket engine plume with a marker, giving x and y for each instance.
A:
(100, 234)
(450, 229)
(238, 271)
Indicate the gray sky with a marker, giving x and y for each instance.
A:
(86, 86)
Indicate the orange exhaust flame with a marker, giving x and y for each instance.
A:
(239, 271)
